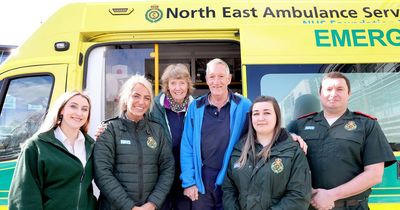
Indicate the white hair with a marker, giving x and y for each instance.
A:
(211, 65)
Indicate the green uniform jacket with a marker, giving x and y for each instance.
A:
(133, 164)
(283, 182)
(339, 152)
(47, 176)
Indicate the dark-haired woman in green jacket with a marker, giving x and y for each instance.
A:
(267, 170)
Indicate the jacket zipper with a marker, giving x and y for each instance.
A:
(80, 189)
(76, 158)
(140, 158)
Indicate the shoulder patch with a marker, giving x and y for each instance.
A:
(306, 115)
(366, 115)
(109, 119)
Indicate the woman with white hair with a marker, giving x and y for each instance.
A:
(55, 169)
(134, 166)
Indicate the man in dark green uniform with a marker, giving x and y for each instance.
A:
(347, 151)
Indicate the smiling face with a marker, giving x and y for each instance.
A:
(178, 88)
(138, 102)
(218, 80)
(264, 118)
(334, 96)
(75, 112)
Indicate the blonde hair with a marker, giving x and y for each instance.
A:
(176, 71)
(126, 91)
(54, 113)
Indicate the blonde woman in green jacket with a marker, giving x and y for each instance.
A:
(54, 169)
(267, 170)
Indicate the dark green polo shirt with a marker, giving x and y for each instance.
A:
(339, 152)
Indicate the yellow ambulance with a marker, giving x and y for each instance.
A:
(273, 47)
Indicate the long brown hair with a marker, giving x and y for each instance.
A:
(249, 145)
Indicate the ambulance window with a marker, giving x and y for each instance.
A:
(122, 62)
(22, 112)
(374, 90)
(196, 56)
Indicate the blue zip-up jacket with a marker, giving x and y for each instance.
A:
(191, 161)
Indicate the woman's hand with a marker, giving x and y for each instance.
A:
(99, 130)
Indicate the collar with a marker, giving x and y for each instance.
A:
(203, 101)
(283, 143)
(126, 121)
(346, 115)
(162, 99)
(59, 134)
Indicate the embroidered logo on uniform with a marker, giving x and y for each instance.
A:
(124, 141)
(350, 125)
(277, 166)
(309, 127)
(151, 142)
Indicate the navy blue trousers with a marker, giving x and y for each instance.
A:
(212, 199)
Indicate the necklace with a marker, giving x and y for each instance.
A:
(175, 106)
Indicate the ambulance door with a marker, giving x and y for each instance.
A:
(24, 99)
(108, 67)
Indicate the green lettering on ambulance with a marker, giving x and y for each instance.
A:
(397, 37)
(319, 37)
(376, 34)
(342, 39)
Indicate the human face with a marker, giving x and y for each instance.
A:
(263, 118)
(218, 80)
(178, 89)
(334, 96)
(75, 113)
(138, 103)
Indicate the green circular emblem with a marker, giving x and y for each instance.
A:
(154, 14)
(151, 142)
(277, 166)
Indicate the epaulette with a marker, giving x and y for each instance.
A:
(306, 115)
(366, 115)
(109, 119)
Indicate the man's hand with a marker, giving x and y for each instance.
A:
(192, 192)
(322, 199)
(300, 140)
